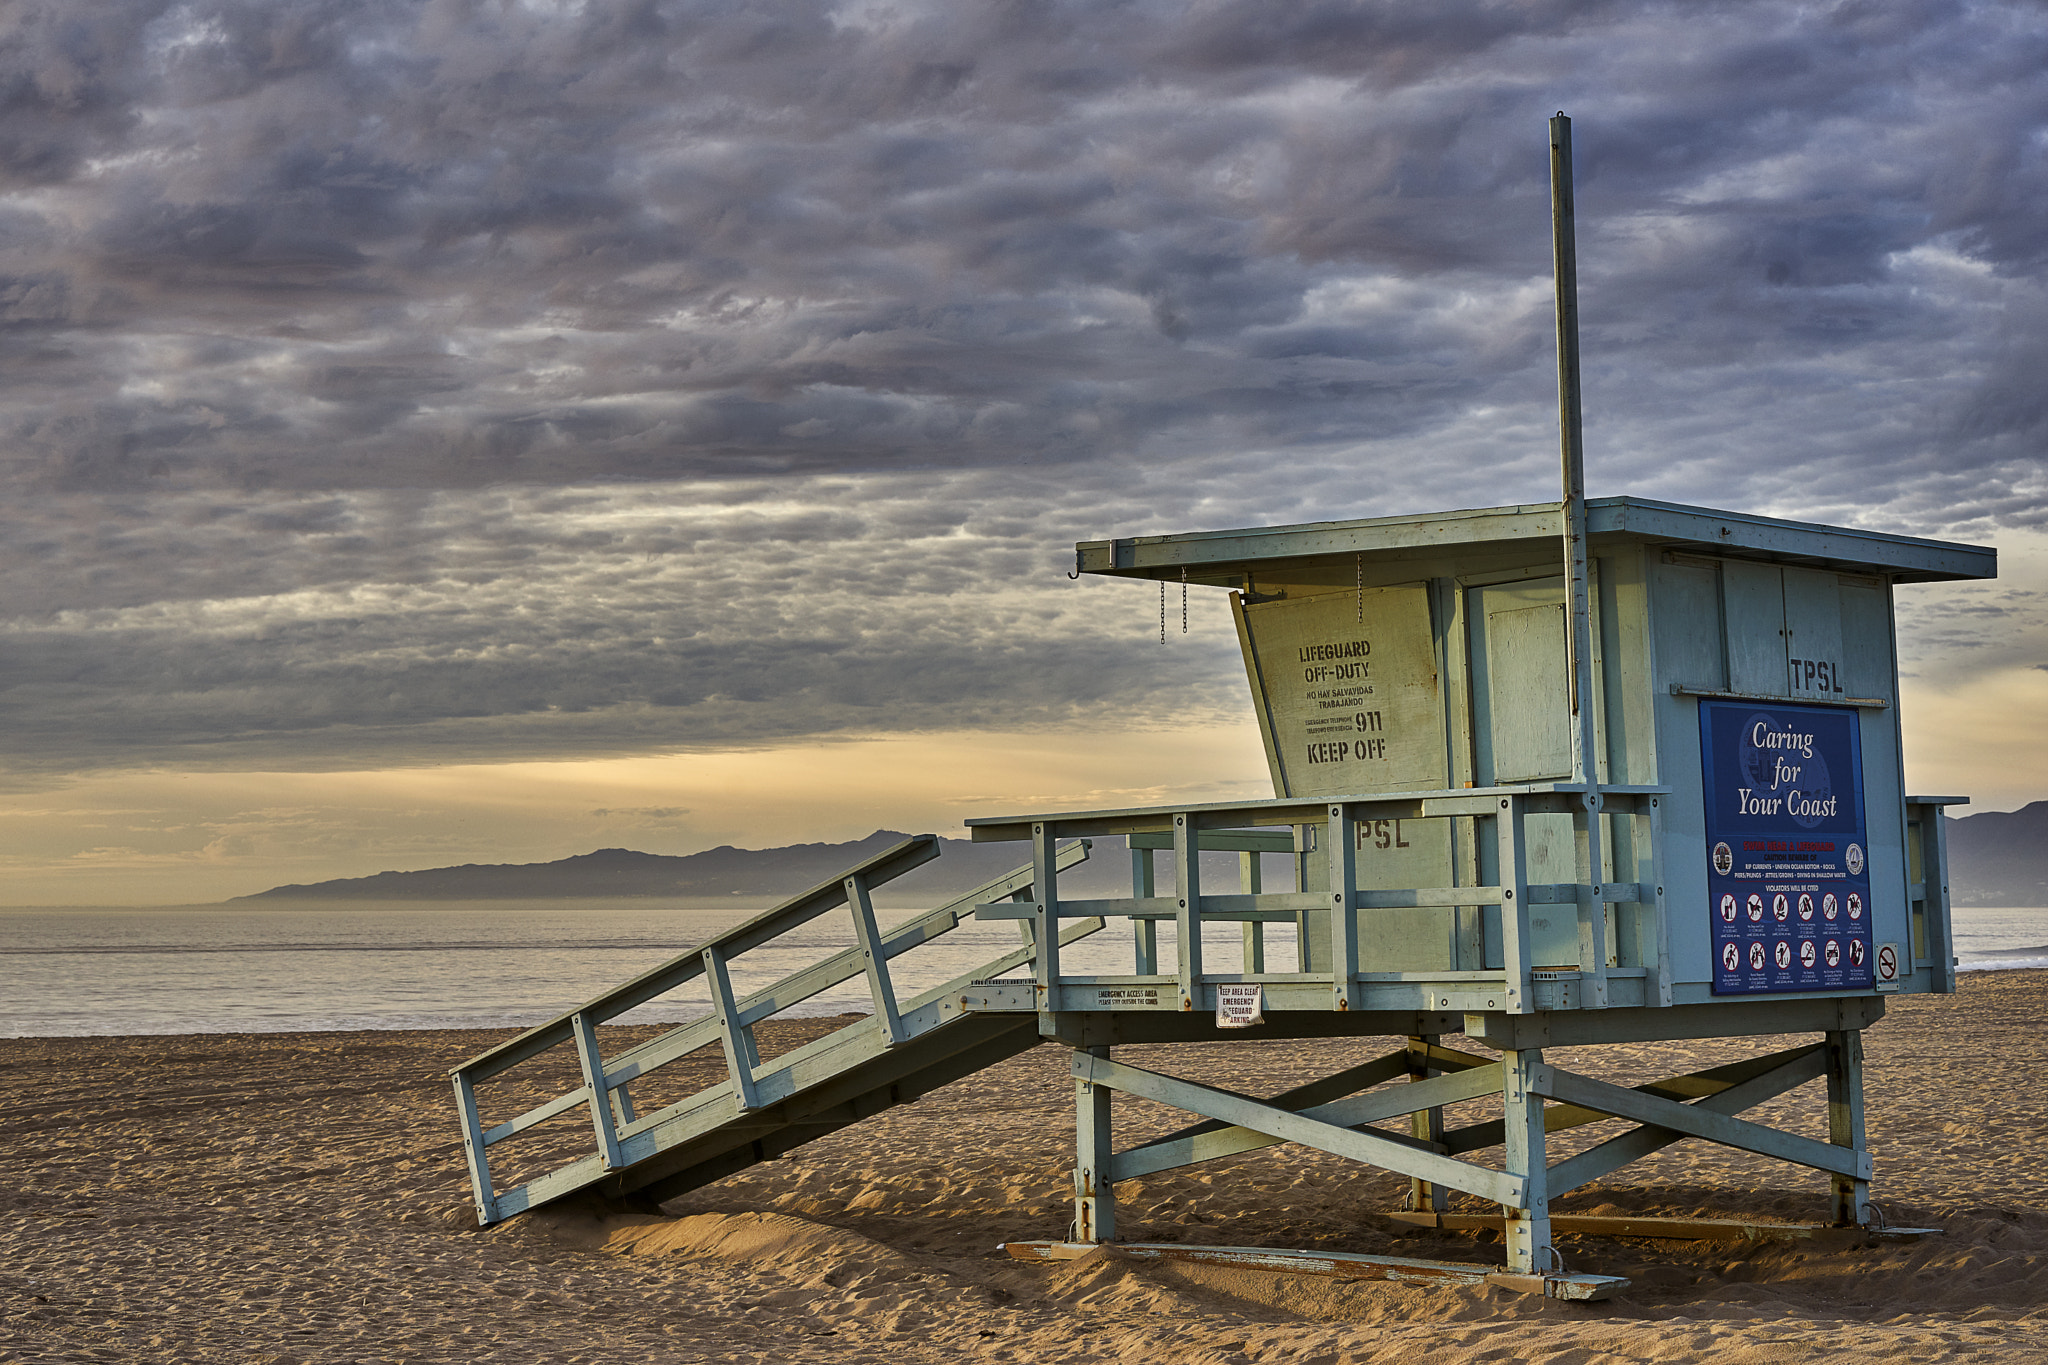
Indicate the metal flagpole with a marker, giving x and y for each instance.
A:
(1579, 638)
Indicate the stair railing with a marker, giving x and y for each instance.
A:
(605, 1091)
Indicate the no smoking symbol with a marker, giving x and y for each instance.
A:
(1887, 963)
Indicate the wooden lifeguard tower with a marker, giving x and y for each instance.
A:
(1744, 861)
(1571, 774)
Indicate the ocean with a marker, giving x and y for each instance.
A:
(323, 967)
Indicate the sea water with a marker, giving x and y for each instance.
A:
(325, 966)
(507, 964)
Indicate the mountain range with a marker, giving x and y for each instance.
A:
(1996, 858)
(1999, 857)
(723, 871)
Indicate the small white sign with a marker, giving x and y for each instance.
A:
(1887, 966)
(1239, 1005)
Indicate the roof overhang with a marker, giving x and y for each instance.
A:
(1230, 558)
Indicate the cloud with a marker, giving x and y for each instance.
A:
(581, 622)
(392, 382)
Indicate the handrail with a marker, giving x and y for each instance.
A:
(612, 1117)
(1186, 830)
(1539, 797)
(797, 910)
(791, 990)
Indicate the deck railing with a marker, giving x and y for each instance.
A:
(1608, 962)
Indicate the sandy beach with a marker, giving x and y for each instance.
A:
(300, 1197)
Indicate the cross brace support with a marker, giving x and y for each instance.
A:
(1332, 1114)
(1375, 1149)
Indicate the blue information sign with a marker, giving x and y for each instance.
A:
(1788, 872)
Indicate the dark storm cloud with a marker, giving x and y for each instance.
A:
(577, 623)
(324, 327)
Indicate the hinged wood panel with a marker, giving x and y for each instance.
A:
(1753, 623)
(1813, 636)
(1346, 689)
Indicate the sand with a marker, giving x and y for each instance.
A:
(300, 1197)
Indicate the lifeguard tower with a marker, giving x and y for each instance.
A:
(1571, 774)
(1744, 862)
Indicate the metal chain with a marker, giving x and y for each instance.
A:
(1162, 611)
(1183, 599)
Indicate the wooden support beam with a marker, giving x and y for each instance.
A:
(473, 1152)
(1273, 907)
(1341, 848)
(1527, 1226)
(1279, 907)
(874, 957)
(1352, 1112)
(1657, 941)
(1514, 905)
(1419, 1094)
(1575, 893)
(1556, 797)
(1046, 930)
(1558, 1117)
(1144, 933)
(1187, 890)
(535, 1116)
(1695, 1120)
(1940, 933)
(1592, 895)
(1649, 1229)
(741, 1056)
(1335, 1265)
(1311, 936)
(1722, 1018)
(1223, 841)
(1374, 1149)
(1027, 921)
(1349, 1081)
(1443, 1058)
(1094, 1190)
(1425, 1125)
(592, 1061)
(1803, 1065)
(1251, 881)
(1849, 1194)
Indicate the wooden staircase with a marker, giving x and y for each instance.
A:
(759, 1110)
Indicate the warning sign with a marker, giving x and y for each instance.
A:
(1239, 1005)
(1787, 879)
(1887, 966)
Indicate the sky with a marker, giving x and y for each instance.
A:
(444, 432)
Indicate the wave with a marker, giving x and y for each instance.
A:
(178, 1026)
(188, 949)
(2022, 960)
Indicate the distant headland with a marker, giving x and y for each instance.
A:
(2000, 857)
(723, 871)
